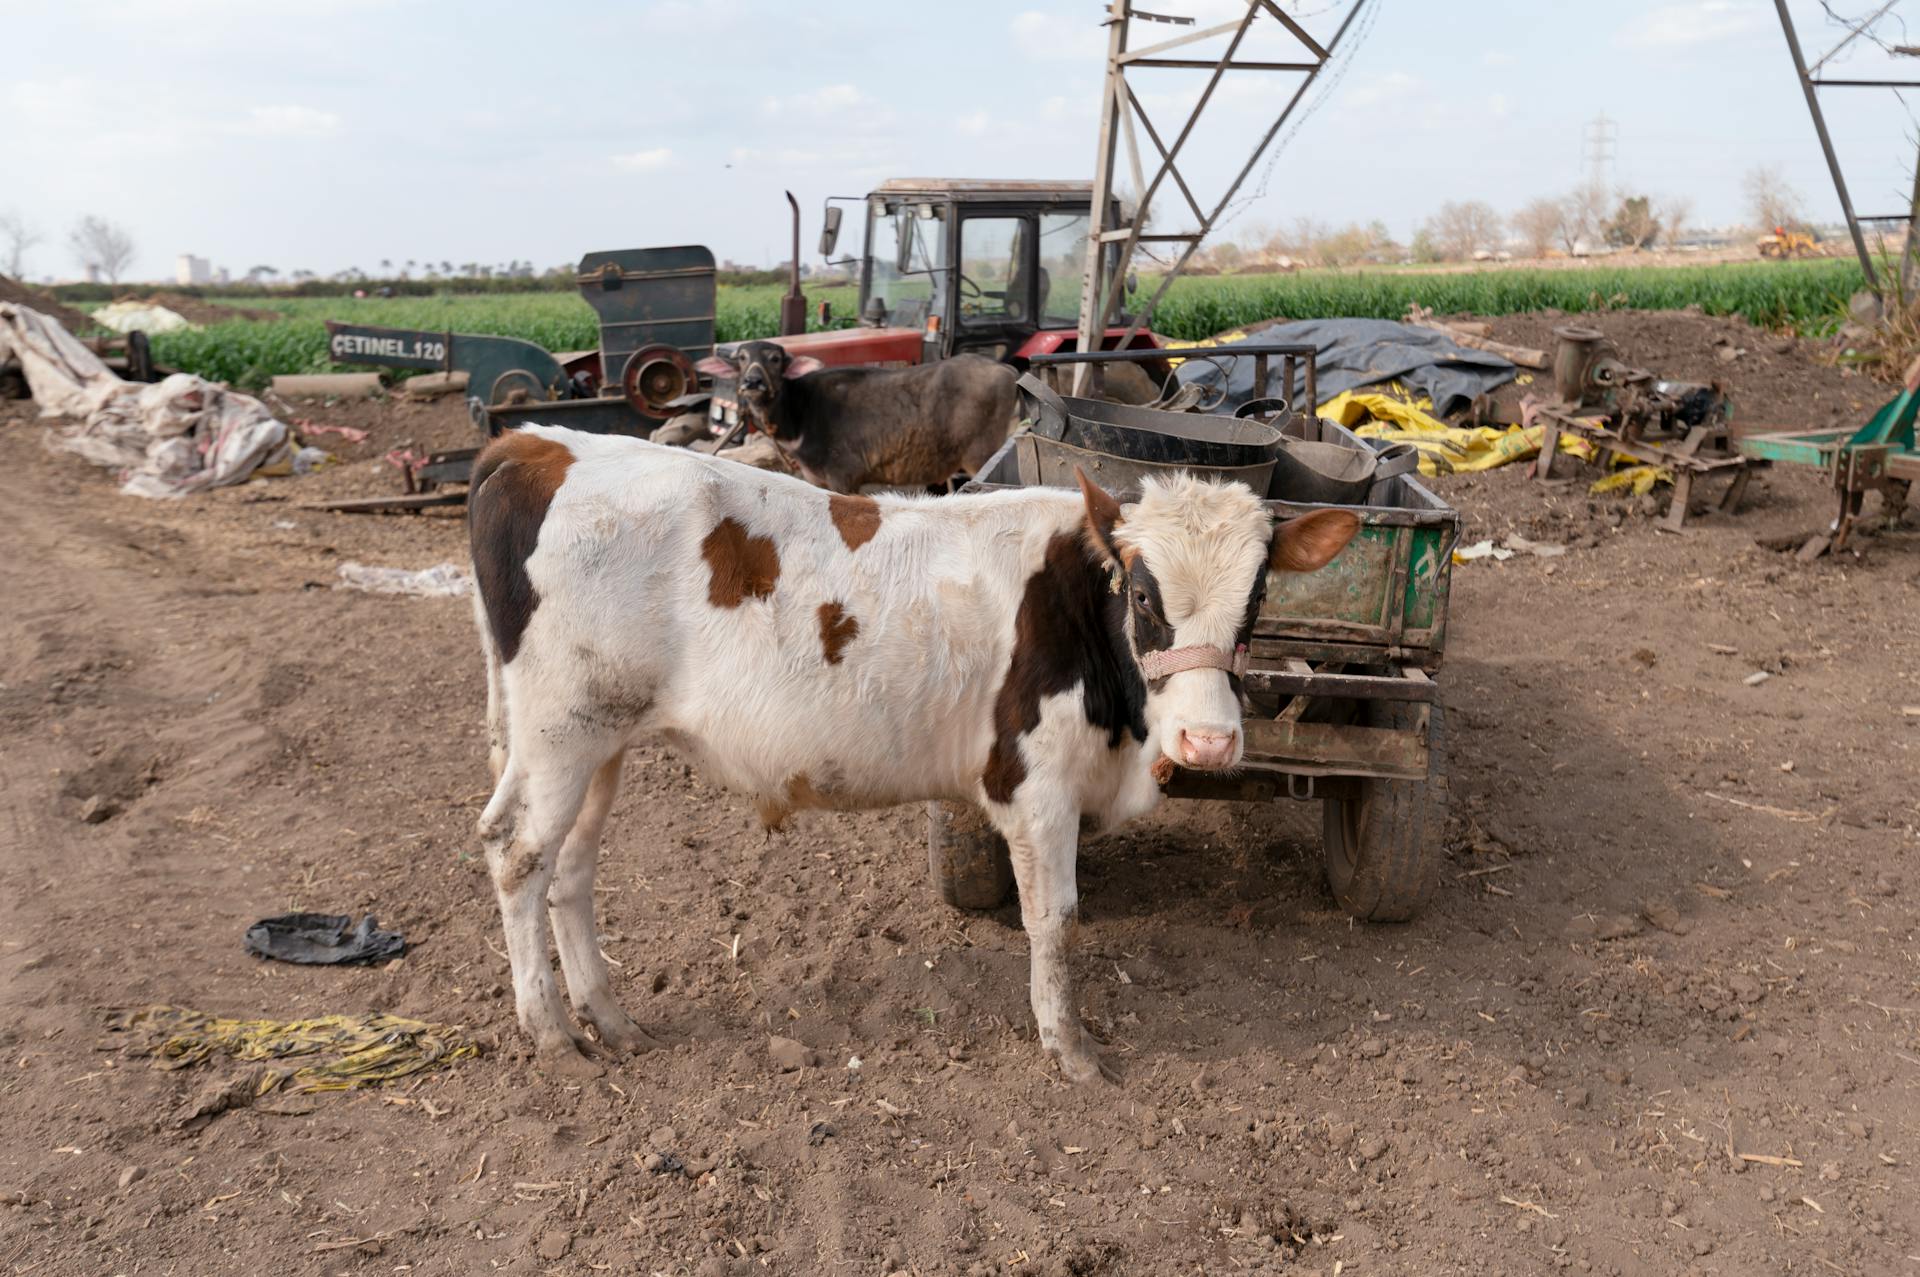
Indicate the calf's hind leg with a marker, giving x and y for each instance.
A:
(570, 904)
(528, 818)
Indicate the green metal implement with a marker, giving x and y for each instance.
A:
(495, 366)
(656, 308)
(1880, 454)
(649, 298)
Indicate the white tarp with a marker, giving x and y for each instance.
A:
(124, 317)
(181, 435)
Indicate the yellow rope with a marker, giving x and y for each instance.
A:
(371, 1049)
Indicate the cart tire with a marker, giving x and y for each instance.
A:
(1383, 849)
(966, 858)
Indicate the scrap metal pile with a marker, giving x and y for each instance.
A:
(1683, 428)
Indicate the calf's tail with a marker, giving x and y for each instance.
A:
(496, 693)
(489, 460)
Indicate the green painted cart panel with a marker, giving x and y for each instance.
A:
(1388, 589)
(1358, 587)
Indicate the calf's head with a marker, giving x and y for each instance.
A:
(759, 368)
(1187, 566)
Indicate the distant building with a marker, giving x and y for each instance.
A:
(188, 269)
(220, 275)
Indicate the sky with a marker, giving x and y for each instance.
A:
(325, 134)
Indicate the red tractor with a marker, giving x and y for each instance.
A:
(955, 265)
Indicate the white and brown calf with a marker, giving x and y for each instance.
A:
(1041, 653)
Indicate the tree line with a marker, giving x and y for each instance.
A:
(1589, 218)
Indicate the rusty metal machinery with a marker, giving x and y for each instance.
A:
(1683, 427)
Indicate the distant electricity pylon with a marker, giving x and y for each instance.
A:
(1599, 147)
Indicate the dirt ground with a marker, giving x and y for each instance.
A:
(1662, 1016)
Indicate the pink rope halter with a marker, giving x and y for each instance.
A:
(1163, 664)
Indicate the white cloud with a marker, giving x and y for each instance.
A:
(1394, 86)
(1053, 37)
(832, 100)
(644, 161)
(287, 121)
(974, 124)
(1497, 58)
(855, 157)
(842, 110)
(1676, 26)
(1497, 106)
(1076, 107)
(110, 118)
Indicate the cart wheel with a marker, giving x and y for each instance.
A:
(966, 858)
(1383, 849)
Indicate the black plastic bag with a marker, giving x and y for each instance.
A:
(322, 939)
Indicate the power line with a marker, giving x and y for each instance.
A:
(1600, 150)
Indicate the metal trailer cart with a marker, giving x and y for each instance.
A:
(1342, 703)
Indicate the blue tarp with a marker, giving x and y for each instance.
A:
(1353, 353)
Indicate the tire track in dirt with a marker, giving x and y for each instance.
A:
(130, 711)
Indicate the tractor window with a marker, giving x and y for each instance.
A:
(993, 270)
(905, 293)
(1063, 262)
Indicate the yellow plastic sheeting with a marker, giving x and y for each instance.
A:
(1443, 449)
(1639, 479)
(369, 1049)
(1218, 339)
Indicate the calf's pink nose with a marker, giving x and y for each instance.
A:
(1207, 749)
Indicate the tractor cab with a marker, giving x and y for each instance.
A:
(955, 266)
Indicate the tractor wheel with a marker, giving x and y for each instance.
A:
(1383, 849)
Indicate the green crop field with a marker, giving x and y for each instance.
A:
(1805, 296)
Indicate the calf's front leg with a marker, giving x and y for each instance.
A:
(1045, 845)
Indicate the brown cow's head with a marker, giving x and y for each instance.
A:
(759, 368)
(1190, 562)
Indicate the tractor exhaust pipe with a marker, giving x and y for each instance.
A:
(793, 307)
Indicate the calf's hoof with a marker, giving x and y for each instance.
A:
(566, 1055)
(621, 1032)
(1082, 1063)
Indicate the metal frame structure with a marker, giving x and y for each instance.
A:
(1811, 87)
(1100, 293)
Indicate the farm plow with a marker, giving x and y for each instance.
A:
(1880, 455)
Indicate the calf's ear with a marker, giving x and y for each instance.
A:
(1103, 512)
(716, 366)
(801, 365)
(1310, 542)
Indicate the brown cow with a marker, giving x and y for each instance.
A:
(845, 428)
